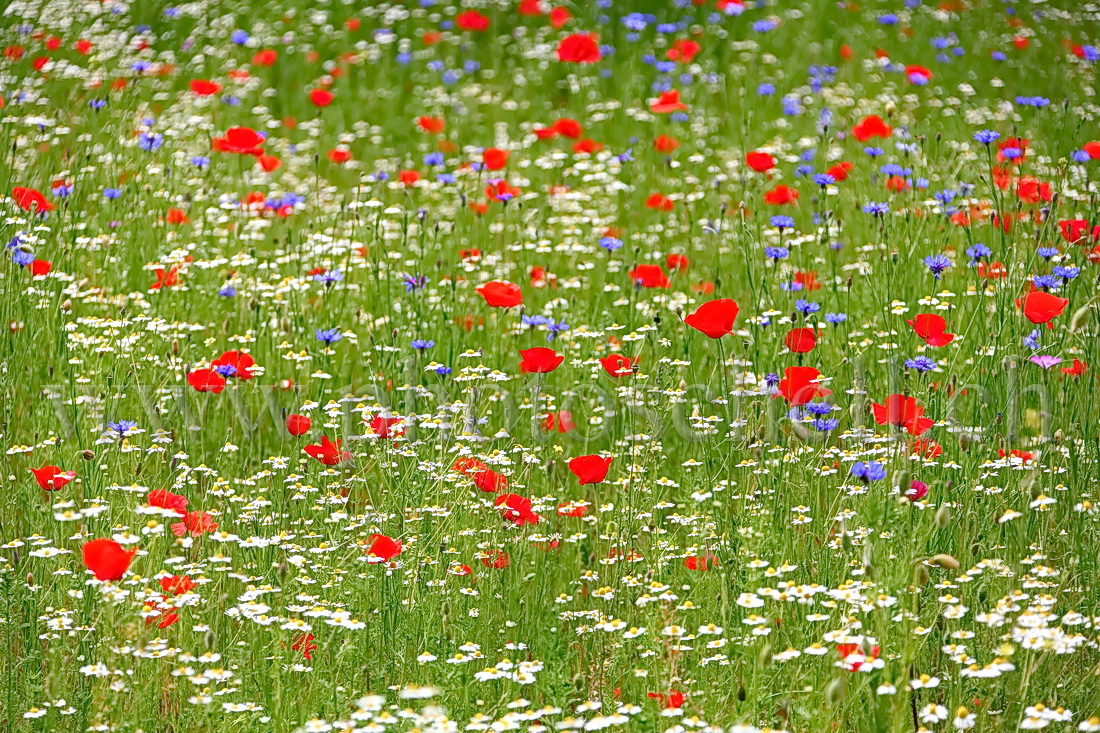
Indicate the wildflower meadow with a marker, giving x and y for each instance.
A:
(520, 365)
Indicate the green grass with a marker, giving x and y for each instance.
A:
(706, 461)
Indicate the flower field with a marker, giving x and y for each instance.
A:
(493, 365)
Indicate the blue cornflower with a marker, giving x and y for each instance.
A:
(819, 408)
(763, 26)
(825, 424)
(888, 19)
(1067, 273)
(986, 137)
(626, 156)
(239, 37)
(1045, 282)
(227, 291)
(111, 193)
(433, 159)
(21, 258)
(776, 253)
(328, 277)
(782, 222)
(1031, 341)
(873, 151)
(443, 370)
(771, 379)
(415, 282)
(1046, 252)
(806, 307)
(876, 208)
(937, 264)
(422, 344)
(226, 370)
(610, 243)
(122, 426)
(823, 179)
(1011, 153)
(329, 335)
(977, 252)
(868, 471)
(200, 161)
(765, 90)
(835, 318)
(150, 141)
(921, 364)
(555, 328)
(1081, 156)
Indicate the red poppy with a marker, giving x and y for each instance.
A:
(166, 278)
(500, 294)
(539, 360)
(467, 466)
(165, 499)
(1077, 369)
(590, 469)
(339, 155)
(408, 177)
(52, 478)
(471, 20)
(677, 262)
(321, 97)
(1075, 231)
(206, 380)
(298, 424)
(530, 7)
(929, 449)
(383, 547)
(558, 422)
(759, 161)
(1032, 190)
(714, 318)
(995, 270)
(618, 365)
(304, 643)
(673, 699)
(241, 362)
(494, 158)
(839, 171)
(683, 51)
(566, 127)
(269, 162)
(107, 559)
(668, 102)
(490, 481)
(267, 57)
(902, 412)
(40, 268)
(1041, 307)
(327, 452)
(431, 125)
(500, 191)
(808, 280)
(176, 216)
(932, 328)
(665, 144)
(702, 563)
(660, 202)
(382, 425)
(587, 146)
(559, 17)
(195, 524)
(649, 276)
(579, 48)
(516, 509)
(240, 140)
(496, 559)
(205, 88)
(920, 72)
(780, 195)
(801, 340)
(30, 199)
(869, 127)
(800, 385)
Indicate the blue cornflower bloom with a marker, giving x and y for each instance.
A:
(876, 208)
(1081, 156)
(1045, 282)
(21, 258)
(765, 90)
(921, 364)
(835, 318)
(150, 141)
(937, 264)
(111, 193)
(328, 277)
(433, 159)
(1067, 273)
(782, 222)
(825, 424)
(610, 243)
(1031, 341)
(227, 291)
(819, 408)
(868, 471)
(443, 370)
(329, 335)
(122, 426)
(415, 282)
(873, 151)
(771, 379)
(239, 37)
(776, 253)
(806, 307)
(977, 252)
(823, 179)
(986, 137)
(1046, 252)
(556, 328)
(226, 370)
(422, 344)
(200, 161)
